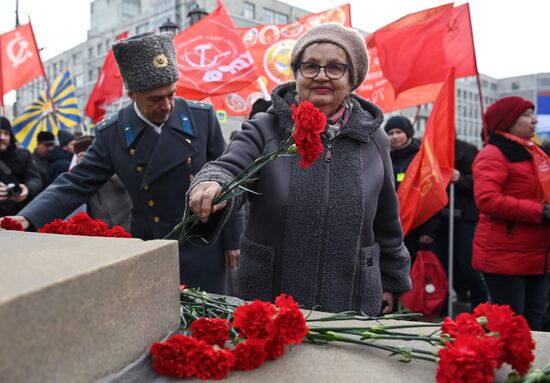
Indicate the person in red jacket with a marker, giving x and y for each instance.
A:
(512, 192)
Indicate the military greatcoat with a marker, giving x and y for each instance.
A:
(156, 170)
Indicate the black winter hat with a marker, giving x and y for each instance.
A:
(5, 124)
(45, 138)
(64, 137)
(402, 123)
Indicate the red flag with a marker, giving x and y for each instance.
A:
(212, 58)
(376, 86)
(270, 45)
(108, 88)
(19, 58)
(424, 53)
(423, 190)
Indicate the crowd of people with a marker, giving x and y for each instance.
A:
(329, 235)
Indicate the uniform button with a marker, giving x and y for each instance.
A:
(188, 140)
(151, 203)
(132, 152)
(156, 219)
(189, 160)
(191, 177)
(146, 187)
(139, 169)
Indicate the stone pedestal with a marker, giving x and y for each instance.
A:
(74, 309)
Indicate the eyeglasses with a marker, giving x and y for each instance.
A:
(333, 71)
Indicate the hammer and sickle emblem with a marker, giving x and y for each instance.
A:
(18, 50)
(160, 61)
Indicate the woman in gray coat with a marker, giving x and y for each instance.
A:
(329, 235)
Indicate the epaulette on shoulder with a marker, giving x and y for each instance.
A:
(103, 124)
(199, 105)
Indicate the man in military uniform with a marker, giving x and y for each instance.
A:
(155, 145)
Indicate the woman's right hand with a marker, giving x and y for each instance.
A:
(202, 197)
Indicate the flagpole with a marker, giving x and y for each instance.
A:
(48, 90)
(479, 89)
(451, 248)
(264, 89)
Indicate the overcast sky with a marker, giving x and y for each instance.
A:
(511, 36)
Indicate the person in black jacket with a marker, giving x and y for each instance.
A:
(60, 156)
(468, 282)
(403, 149)
(19, 178)
(45, 142)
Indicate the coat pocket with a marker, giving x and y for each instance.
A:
(255, 275)
(370, 281)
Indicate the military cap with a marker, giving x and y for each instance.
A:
(146, 61)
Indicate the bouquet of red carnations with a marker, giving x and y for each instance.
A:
(218, 336)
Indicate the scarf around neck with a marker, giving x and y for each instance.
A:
(540, 161)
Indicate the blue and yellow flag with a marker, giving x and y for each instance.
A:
(39, 115)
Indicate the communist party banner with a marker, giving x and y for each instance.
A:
(212, 58)
(270, 46)
(19, 59)
(423, 191)
(108, 88)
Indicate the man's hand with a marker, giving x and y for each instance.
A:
(232, 258)
(456, 175)
(202, 197)
(22, 196)
(22, 220)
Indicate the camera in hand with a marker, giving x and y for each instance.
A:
(13, 190)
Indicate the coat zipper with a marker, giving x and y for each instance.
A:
(328, 159)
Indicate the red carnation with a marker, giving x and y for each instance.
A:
(10, 224)
(291, 325)
(468, 359)
(250, 354)
(465, 324)
(55, 227)
(310, 122)
(498, 317)
(117, 231)
(177, 356)
(211, 330)
(253, 319)
(286, 301)
(213, 362)
(274, 344)
(519, 345)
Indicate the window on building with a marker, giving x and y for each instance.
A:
(77, 58)
(484, 83)
(544, 82)
(494, 86)
(273, 17)
(90, 52)
(514, 85)
(90, 75)
(99, 49)
(54, 70)
(458, 92)
(249, 10)
(142, 28)
(79, 80)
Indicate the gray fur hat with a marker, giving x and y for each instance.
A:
(346, 38)
(146, 61)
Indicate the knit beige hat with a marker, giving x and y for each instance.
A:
(346, 38)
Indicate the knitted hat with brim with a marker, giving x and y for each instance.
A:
(346, 38)
(146, 61)
(502, 114)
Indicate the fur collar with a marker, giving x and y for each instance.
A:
(513, 151)
(365, 117)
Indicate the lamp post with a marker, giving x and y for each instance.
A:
(169, 26)
(195, 14)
